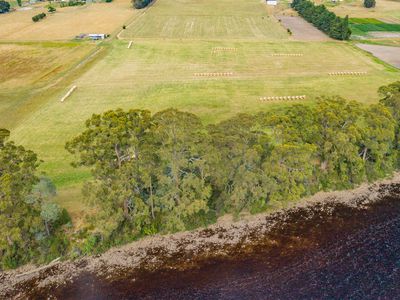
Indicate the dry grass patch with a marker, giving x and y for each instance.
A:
(69, 198)
(29, 69)
(37, 63)
(66, 23)
(388, 10)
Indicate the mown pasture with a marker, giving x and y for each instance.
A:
(208, 20)
(156, 76)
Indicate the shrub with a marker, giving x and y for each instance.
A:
(51, 9)
(4, 6)
(369, 3)
(139, 4)
(38, 17)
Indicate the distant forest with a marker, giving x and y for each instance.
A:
(336, 27)
(167, 171)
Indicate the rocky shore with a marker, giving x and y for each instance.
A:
(277, 233)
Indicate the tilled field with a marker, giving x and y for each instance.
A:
(391, 55)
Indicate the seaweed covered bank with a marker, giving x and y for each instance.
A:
(332, 245)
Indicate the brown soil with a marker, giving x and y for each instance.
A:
(186, 250)
(302, 30)
(388, 54)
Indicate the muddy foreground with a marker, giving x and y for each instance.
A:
(322, 247)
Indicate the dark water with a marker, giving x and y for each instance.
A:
(352, 254)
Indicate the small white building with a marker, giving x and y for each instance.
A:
(97, 36)
(272, 2)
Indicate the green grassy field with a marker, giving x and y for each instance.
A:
(362, 26)
(156, 76)
(158, 73)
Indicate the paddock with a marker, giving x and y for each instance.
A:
(207, 20)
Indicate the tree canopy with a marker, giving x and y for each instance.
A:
(369, 3)
(164, 172)
(4, 6)
(325, 20)
(26, 230)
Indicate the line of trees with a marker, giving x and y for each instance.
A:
(325, 20)
(72, 3)
(168, 171)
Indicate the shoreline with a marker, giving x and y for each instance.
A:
(224, 240)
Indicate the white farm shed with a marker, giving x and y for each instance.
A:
(272, 2)
(97, 36)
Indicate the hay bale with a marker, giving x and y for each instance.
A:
(68, 93)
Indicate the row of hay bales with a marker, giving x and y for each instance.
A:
(214, 74)
(287, 54)
(224, 49)
(302, 97)
(347, 73)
